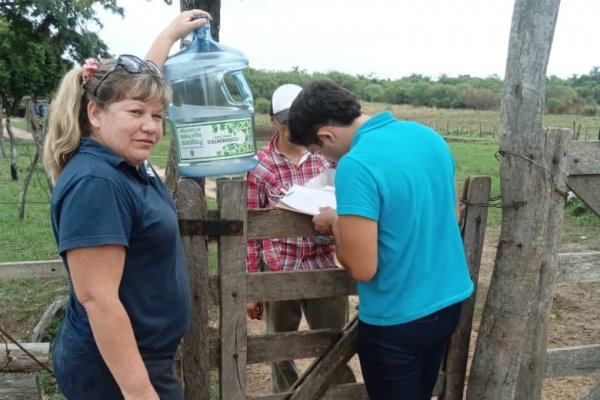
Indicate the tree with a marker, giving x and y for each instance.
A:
(213, 7)
(33, 70)
(510, 350)
(41, 39)
(560, 99)
(195, 344)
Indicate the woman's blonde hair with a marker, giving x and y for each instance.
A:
(68, 120)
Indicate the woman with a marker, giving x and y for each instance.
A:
(116, 229)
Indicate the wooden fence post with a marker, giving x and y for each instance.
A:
(476, 195)
(232, 197)
(191, 204)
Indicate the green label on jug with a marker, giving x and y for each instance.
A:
(215, 140)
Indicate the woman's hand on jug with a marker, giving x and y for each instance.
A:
(183, 24)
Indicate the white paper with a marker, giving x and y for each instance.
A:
(325, 178)
(308, 200)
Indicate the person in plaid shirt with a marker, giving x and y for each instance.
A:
(281, 165)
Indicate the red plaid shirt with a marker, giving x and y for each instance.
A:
(266, 185)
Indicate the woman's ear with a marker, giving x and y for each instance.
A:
(93, 112)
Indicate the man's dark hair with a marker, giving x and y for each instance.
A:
(321, 103)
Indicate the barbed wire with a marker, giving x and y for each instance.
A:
(491, 203)
(555, 187)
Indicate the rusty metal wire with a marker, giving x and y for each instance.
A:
(3, 335)
(555, 187)
(493, 203)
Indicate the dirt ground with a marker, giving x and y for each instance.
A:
(575, 321)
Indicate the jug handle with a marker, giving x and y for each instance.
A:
(242, 86)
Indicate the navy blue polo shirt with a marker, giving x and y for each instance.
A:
(100, 199)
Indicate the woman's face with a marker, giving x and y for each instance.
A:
(131, 128)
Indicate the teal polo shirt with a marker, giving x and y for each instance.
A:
(401, 174)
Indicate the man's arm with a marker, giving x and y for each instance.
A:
(355, 241)
(356, 245)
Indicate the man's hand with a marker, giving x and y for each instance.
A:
(323, 222)
(254, 310)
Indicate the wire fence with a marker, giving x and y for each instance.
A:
(474, 130)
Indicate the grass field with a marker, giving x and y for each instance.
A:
(31, 238)
(482, 124)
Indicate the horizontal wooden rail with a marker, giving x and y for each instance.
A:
(354, 391)
(565, 361)
(584, 158)
(568, 361)
(31, 269)
(281, 346)
(22, 387)
(572, 267)
(291, 285)
(584, 173)
(268, 224)
(274, 286)
(581, 266)
(587, 188)
(13, 359)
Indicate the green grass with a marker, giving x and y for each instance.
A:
(478, 159)
(482, 124)
(30, 238)
(49, 387)
(24, 301)
(18, 123)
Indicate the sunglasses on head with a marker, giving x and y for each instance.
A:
(132, 65)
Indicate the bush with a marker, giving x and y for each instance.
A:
(554, 106)
(261, 105)
(590, 111)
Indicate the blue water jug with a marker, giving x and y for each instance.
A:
(212, 113)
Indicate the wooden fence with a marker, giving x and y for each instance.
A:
(468, 130)
(232, 349)
(232, 288)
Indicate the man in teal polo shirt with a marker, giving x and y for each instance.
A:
(396, 233)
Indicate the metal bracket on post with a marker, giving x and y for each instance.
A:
(220, 227)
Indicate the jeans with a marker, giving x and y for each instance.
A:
(82, 374)
(403, 361)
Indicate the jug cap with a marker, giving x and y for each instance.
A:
(282, 100)
(189, 38)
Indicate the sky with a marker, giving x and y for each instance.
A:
(388, 39)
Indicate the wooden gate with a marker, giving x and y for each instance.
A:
(231, 225)
(584, 173)
(584, 180)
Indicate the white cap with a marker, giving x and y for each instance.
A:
(282, 100)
